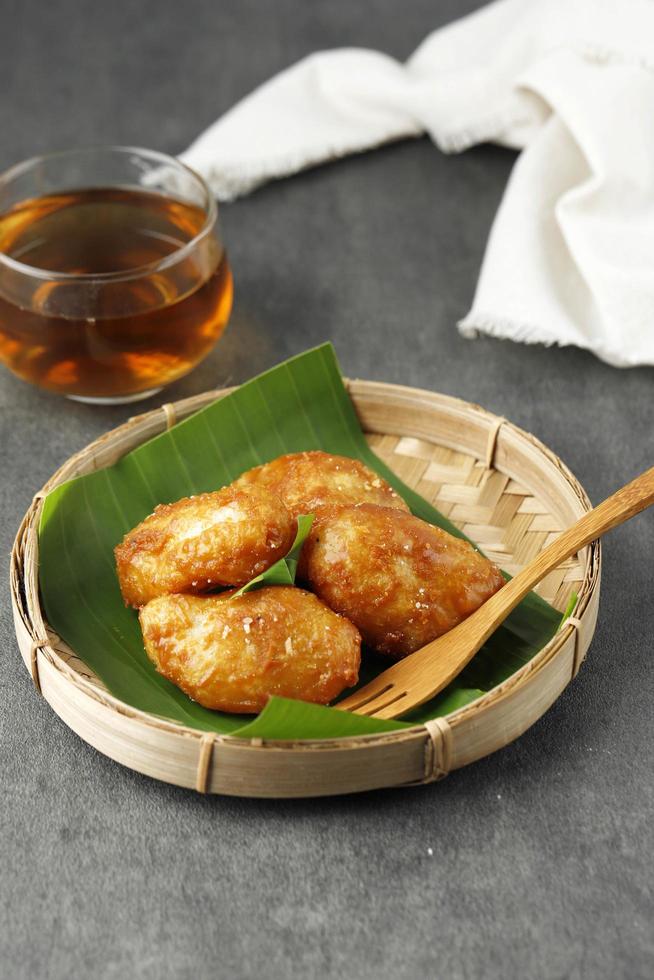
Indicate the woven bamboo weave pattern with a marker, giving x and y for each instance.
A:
(507, 522)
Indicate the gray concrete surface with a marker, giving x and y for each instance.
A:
(533, 863)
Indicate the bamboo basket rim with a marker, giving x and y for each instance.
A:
(499, 431)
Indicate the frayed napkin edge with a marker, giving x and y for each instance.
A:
(504, 328)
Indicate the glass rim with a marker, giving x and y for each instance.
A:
(211, 208)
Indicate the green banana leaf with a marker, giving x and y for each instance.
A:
(283, 571)
(300, 404)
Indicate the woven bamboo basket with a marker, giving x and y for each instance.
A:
(500, 485)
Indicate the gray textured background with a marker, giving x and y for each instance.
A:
(541, 863)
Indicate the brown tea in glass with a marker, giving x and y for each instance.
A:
(113, 279)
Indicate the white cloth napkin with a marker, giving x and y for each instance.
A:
(570, 257)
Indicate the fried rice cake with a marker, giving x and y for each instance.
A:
(311, 481)
(401, 581)
(232, 654)
(212, 539)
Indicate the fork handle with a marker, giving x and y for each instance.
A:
(616, 509)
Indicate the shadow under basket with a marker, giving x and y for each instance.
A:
(500, 485)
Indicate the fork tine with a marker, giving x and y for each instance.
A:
(365, 695)
(375, 709)
(390, 710)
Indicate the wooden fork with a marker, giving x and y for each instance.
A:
(423, 674)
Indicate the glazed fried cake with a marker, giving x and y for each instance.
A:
(232, 654)
(401, 581)
(311, 481)
(198, 543)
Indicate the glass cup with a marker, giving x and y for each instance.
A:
(113, 278)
